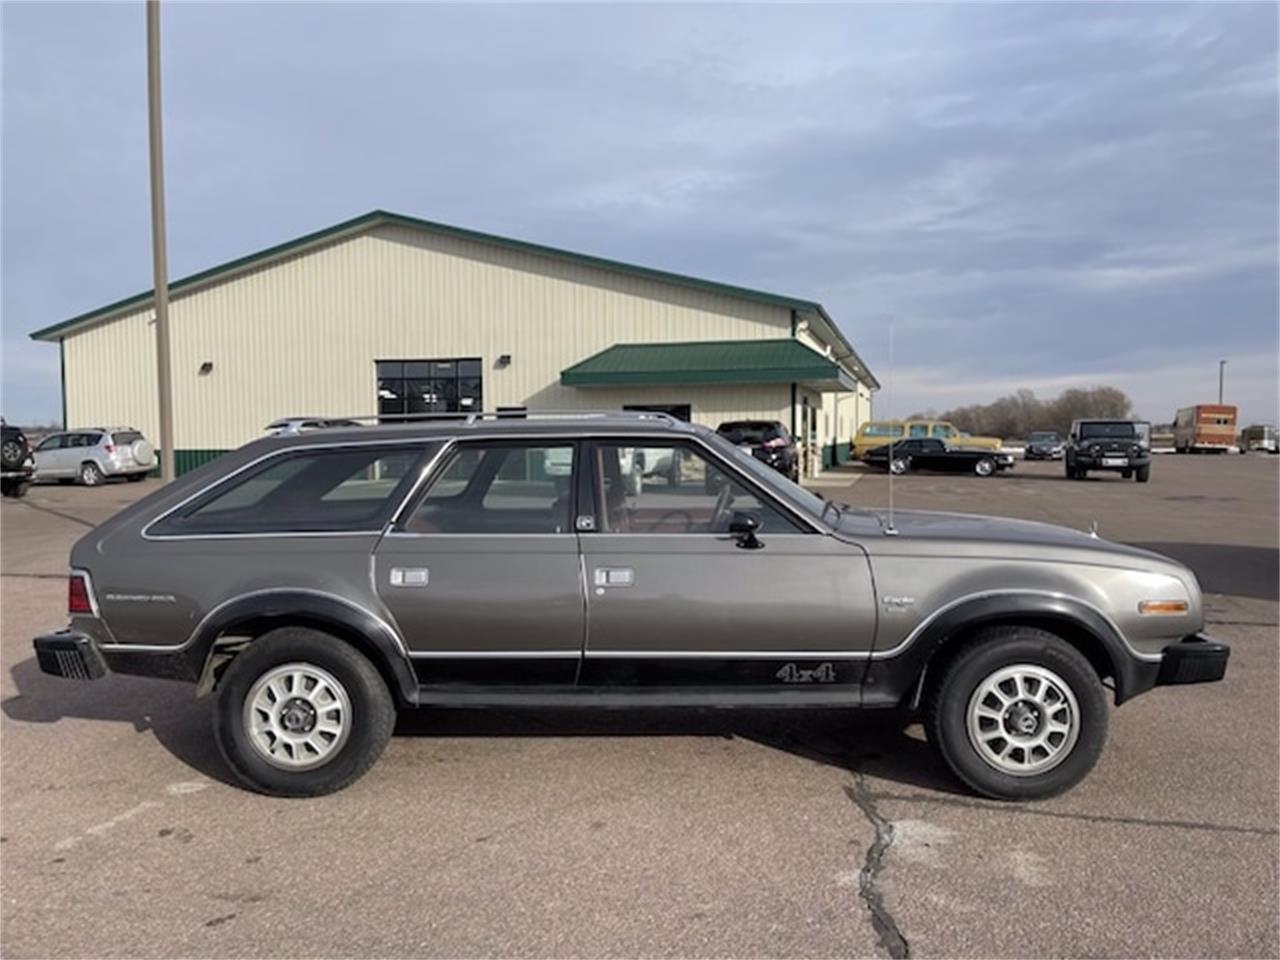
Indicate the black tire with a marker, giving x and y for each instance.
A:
(1126, 474)
(371, 721)
(91, 474)
(991, 650)
(135, 477)
(986, 467)
(15, 488)
(1142, 474)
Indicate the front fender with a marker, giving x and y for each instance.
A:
(895, 674)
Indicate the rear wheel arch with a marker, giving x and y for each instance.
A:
(238, 625)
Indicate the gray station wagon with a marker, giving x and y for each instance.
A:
(319, 583)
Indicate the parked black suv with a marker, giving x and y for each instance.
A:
(1119, 446)
(766, 440)
(15, 462)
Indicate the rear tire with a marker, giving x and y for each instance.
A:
(15, 488)
(899, 465)
(135, 477)
(91, 474)
(1024, 692)
(267, 742)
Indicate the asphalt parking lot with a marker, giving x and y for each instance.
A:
(634, 834)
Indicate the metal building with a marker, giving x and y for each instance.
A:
(386, 314)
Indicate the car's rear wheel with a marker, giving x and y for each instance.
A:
(300, 713)
(91, 474)
(985, 467)
(1018, 714)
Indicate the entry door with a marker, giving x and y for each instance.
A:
(482, 576)
(673, 598)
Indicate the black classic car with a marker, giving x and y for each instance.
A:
(928, 453)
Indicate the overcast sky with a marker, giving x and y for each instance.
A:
(1041, 196)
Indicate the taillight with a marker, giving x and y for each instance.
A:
(110, 448)
(78, 599)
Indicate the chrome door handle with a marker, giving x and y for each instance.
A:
(615, 577)
(410, 576)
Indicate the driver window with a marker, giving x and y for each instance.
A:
(672, 489)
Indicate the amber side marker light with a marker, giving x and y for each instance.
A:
(1162, 608)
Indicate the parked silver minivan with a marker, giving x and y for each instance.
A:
(91, 456)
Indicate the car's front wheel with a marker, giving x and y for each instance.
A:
(1018, 714)
(985, 467)
(301, 713)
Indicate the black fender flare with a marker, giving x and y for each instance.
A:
(368, 631)
(899, 674)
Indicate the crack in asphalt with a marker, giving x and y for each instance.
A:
(886, 928)
(1062, 815)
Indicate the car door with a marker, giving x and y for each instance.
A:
(50, 456)
(673, 598)
(482, 573)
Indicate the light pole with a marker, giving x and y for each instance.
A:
(1221, 366)
(160, 266)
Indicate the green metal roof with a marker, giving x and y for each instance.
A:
(377, 218)
(704, 362)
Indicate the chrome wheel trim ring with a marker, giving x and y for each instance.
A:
(985, 468)
(90, 476)
(898, 465)
(297, 716)
(1023, 720)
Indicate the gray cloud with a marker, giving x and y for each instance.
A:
(1040, 195)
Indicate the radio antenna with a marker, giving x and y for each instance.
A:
(891, 530)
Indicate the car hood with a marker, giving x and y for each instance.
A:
(937, 533)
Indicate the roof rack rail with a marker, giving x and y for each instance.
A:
(512, 414)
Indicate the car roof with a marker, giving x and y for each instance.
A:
(585, 426)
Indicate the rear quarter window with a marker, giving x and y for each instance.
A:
(314, 491)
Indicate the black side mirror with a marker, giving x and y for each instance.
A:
(744, 526)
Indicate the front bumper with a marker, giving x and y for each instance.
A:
(70, 655)
(1193, 659)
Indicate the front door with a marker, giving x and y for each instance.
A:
(673, 598)
(482, 574)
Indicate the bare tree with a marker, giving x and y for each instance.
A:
(1016, 415)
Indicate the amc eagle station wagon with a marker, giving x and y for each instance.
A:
(317, 584)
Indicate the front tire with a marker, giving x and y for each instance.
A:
(1018, 714)
(985, 467)
(1142, 474)
(300, 713)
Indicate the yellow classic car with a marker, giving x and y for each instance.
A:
(878, 433)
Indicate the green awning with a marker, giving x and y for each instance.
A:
(714, 361)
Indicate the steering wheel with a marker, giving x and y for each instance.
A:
(720, 513)
(688, 519)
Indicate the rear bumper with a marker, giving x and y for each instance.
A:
(70, 655)
(1193, 659)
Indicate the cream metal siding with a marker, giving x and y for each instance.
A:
(300, 336)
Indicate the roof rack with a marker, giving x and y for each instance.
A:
(509, 414)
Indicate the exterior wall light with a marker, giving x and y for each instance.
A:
(206, 368)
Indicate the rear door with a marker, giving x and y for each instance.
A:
(674, 599)
(482, 574)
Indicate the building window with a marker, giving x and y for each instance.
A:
(407, 387)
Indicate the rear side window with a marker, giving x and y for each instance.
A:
(882, 430)
(315, 491)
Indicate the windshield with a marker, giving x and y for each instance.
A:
(774, 482)
(754, 432)
(1123, 430)
(1043, 436)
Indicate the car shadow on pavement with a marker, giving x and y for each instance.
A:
(168, 709)
(880, 745)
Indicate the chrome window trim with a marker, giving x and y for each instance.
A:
(273, 454)
(493, 654)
